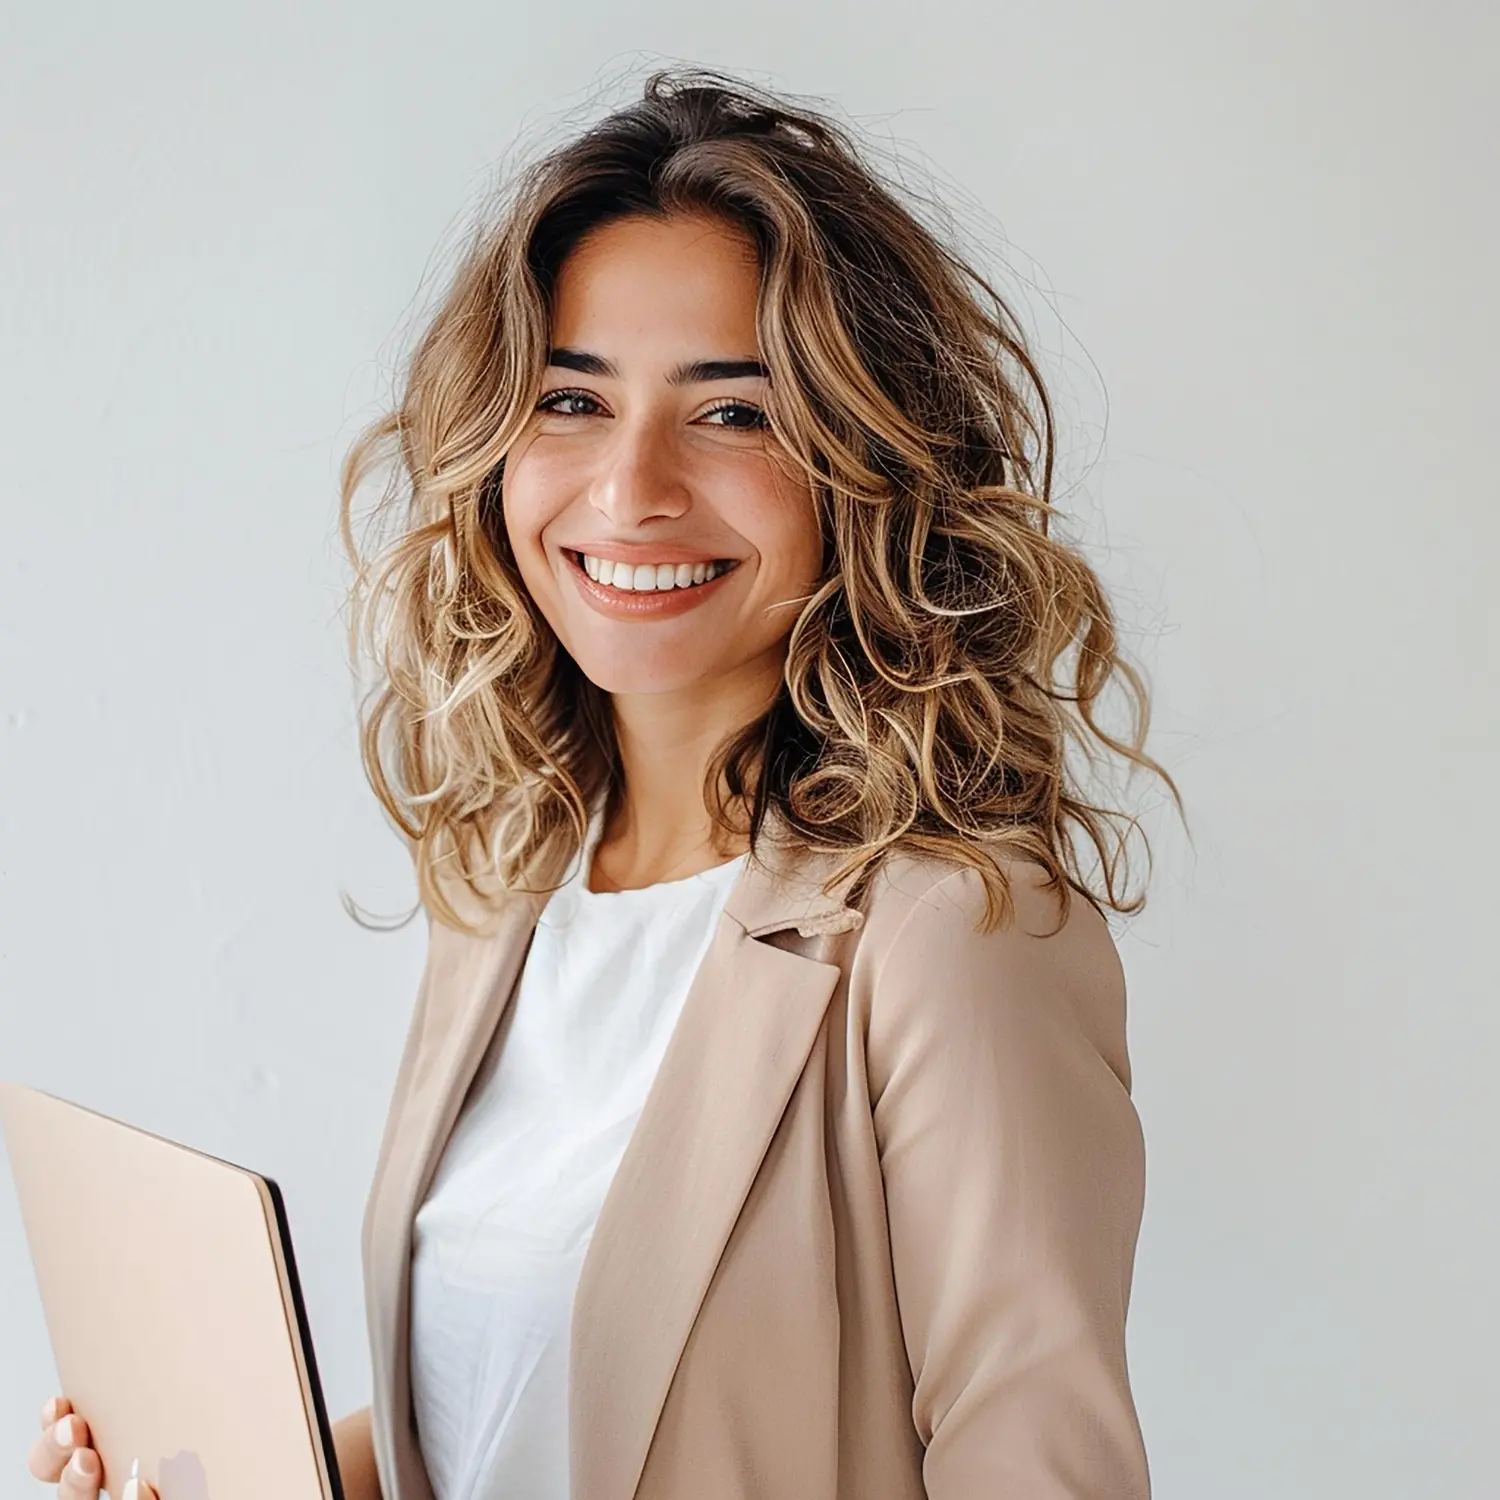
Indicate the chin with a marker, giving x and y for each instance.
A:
(637, 677)
(632, 681)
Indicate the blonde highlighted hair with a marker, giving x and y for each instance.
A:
(952, 649)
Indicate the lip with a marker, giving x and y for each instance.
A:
(620, 604)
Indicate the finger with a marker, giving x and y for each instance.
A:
(80, 1476)
(136, 1488)
(53, 1408)
(55, 1446)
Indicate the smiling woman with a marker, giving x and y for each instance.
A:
(764, 1123)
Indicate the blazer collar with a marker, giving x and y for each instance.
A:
(785, 889)
(750, 1019)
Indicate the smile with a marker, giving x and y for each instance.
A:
(645, 578)
(646, 590)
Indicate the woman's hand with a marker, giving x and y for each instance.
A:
(62, 1456)
(356, 1456)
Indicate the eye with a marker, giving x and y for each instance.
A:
(554, 401)
(741, 416)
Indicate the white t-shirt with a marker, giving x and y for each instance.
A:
(500, 1239)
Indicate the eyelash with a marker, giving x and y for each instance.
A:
(728, 404)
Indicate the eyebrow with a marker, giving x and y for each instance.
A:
(690, 372)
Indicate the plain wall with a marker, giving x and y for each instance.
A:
(1255, 246)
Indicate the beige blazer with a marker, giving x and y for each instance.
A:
(873, 1235)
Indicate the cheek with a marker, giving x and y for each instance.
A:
(787, 521)
(533, 492)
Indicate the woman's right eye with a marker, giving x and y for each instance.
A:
(554, 402)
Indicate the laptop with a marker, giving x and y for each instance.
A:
(173, 1307)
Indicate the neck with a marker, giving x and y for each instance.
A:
(661, 828)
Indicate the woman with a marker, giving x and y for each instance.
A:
(764, 1126)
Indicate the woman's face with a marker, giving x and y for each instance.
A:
(648, 463)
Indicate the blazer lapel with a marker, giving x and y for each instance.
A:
(747, 1025)
(477, 981)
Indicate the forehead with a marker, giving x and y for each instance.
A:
(641, 283)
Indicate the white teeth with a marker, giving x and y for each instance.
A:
(648, 577)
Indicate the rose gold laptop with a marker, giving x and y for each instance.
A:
(172, 1303)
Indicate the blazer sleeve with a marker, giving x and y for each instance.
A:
(1014, 1173)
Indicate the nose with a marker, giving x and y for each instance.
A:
(639, 476)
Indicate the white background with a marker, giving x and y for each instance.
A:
(1256, 248)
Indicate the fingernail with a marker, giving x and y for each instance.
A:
(63, 1433)
(81, 1465)
(132, 1488)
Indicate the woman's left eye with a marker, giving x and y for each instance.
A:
(743, 417)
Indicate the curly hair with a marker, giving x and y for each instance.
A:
(952, 648)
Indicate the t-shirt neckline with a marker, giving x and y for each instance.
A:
(583, 867)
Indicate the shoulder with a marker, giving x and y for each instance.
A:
(923, 961)
(925, 902)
